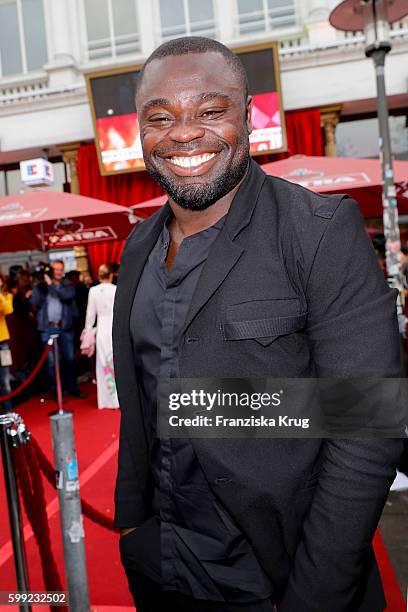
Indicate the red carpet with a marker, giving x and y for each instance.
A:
(96, 433)
(395, 600)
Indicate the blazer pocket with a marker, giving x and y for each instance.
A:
(263, 331)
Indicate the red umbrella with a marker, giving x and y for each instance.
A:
(147, 208)
(48, 219)
(361, 178)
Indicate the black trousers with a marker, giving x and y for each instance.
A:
(148, 597)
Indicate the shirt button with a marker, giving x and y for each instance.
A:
(191, 340)
(222, 480)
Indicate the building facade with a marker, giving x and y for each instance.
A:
(46, 46)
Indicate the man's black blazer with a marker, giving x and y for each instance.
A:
(309, 507)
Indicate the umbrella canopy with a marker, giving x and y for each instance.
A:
(48, 219)
(147, 208)
(360, 178)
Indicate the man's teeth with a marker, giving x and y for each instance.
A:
(191, 162)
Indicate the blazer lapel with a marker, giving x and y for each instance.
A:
(135, 256)
(225, 253)
(222, 258)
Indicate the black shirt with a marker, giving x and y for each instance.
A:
(191, 545)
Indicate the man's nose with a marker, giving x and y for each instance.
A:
(186, 130)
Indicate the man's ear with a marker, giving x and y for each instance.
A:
(248, 113)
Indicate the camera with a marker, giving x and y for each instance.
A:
(40, 271)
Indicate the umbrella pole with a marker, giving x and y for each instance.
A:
(389, 199)
(43, 249)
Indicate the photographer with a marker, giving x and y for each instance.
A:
(6, 308)
(56, 310)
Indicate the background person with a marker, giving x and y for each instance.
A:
(115, 272)
(403, 466)
(100, 310)
(89, 280)
(81, 300)
(25, 343)
(83, 365)
(54, 299)
(378, 242)
(404, 268)
(6, 308)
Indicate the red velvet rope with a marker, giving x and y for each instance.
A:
(41, 461)
(32, 491)
(29, 378)
(49, 472)
(29, 461)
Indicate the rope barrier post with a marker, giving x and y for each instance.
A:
(70, 509)
(54, 342)
(13, 501)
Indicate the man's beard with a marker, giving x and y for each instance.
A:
(200, 196)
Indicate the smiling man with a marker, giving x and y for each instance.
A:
(243, 275)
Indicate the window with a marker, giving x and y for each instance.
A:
(186, 17)
(112, 28)
(265, 15)
(23, 45)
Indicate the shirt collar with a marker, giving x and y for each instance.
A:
(165, 235)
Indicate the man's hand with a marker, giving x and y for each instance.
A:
(127, 530)
(47, 279)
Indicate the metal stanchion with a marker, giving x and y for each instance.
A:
(69, 500)
(18, 435)
(54, 339)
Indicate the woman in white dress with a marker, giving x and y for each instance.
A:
(100, 310)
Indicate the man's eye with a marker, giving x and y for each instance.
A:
(211, 113)
(159, 118)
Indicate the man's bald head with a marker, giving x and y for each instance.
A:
(194, 116)
(198, 44)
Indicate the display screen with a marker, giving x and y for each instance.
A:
(117, 134)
